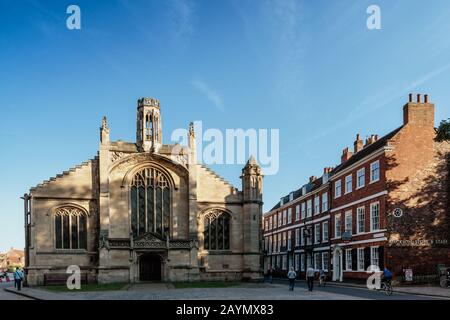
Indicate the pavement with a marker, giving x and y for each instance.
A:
(247, 291)
(5, 295)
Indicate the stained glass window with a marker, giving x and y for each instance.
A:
(70, 228)
(150, 197)
(216, 231)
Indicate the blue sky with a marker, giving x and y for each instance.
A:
(309, 68)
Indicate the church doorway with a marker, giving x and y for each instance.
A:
(150, 267)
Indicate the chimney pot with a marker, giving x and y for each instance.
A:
(426, 98)
(418, 98)
(410, 97)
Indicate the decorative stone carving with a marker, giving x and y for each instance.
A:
(119, 243)
(116, 155)
(148, 102)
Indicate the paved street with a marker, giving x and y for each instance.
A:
(265, 291)
(9, 296)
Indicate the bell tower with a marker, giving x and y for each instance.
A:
(252, 181)
(148, 128)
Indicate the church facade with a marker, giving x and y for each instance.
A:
(145, 211)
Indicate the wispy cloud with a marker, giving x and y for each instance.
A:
(181, 19)
(211, 94)
(378, 101)
(276, 32)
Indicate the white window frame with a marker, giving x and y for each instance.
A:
(360, 213)
(325, 235)
(309, 208)
(360, 257)
(348, 260)
(284, 217)
(289, 239)
(373, 170)
(348, 183)
(375, 256)
(279, 242)
(337, 186)
(361, 173)
(302, 262)
(284, 259)
(309, 239)
(289, 217)
(325, 265)
(303, 205)
(280, 219)
(317, 264)
(302, 236)
(372, 206)
(325, 202)
(297, 212)
(296, 262)
(316, 205)
(338, 231)
(317, 233)
(297, 237)
(348, 216)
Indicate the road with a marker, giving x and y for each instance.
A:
(361, 293)
(9, 296)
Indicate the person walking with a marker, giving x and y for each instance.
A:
(270, 274)
(18, 278)
(310, 275)
(291, 276)
(322, 277)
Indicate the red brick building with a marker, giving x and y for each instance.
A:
(388, 203)
(302, 239)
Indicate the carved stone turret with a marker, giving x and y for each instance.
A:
(148, 128)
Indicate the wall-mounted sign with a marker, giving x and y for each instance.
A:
(408, 275)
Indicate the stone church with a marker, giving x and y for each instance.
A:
(145, 211)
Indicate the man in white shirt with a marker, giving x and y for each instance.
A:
(310, 275)
(291, 276)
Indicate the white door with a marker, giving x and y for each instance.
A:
(337, 265)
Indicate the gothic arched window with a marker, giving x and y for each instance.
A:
(216, 233)
(150, 203)
(70, 228)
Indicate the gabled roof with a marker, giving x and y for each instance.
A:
(310, 187)
(366, 151)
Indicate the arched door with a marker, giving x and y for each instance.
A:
(150, 267)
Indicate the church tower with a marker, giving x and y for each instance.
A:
(252, 179)
(148, 128)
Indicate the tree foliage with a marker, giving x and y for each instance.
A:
(443, 131)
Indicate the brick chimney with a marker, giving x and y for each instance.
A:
(418, 113)
(312, 178)
(346, 154)
(371, 139)
(358, 144)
